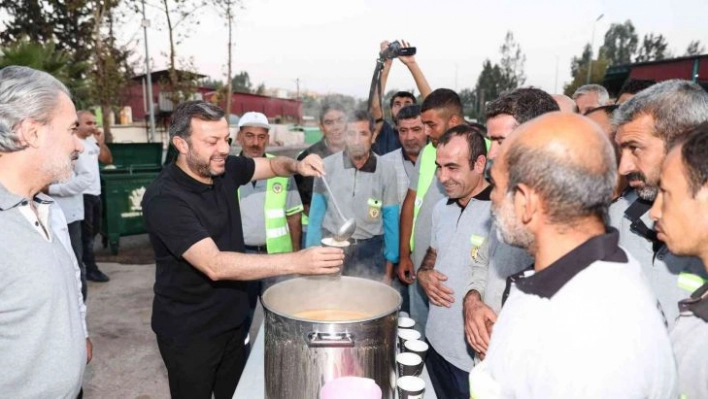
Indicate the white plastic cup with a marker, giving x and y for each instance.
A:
(410, 387)
(405, 335)
(405, 322)
(416, 346)
(409, 363)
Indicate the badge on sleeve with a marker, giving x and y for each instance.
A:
(476, 242)
(277, 188)
(374, 208)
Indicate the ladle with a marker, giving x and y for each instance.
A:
(349, 226)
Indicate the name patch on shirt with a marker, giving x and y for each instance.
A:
(374, 208)
(476, 242)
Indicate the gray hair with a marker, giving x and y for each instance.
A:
(603, 97)
(25, 93)
(181, 120)
(676, 106)
(570, 190)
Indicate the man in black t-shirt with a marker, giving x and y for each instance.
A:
(192, 215)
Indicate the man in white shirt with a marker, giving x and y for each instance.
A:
(95, 150)
(583, 323)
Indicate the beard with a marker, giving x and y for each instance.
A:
(60, 169)
(649, 191)
(357, 151)
(200, 167)
(509, 229)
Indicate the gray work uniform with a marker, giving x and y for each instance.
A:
(422, 234)
(457, 235)
(494, 262)
(404, 167)
(689, 338)
(252, 200)
(662, 268)
(360, 193)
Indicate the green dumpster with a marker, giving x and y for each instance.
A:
(122, 188)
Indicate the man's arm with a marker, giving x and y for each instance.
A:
(479, 318)
(432, 281)
(104, 154)
(295, 227)
(221, 265)
(284, 166)
(414, 68)
(376, 108)
(317, 214)
(293, 212)
(406, 269)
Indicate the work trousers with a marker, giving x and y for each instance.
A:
(198, 367)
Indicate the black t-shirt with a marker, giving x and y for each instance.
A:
(179, 212)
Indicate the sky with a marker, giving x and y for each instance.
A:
(332, 46)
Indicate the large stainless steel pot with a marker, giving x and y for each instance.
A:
(302, 355)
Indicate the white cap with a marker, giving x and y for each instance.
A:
(255, 119)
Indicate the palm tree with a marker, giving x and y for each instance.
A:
(46, 57)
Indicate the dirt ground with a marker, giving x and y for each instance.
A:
(126, 362)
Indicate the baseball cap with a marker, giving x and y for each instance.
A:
(255, 119)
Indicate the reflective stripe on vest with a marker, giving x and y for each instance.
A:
(276, 223)
(690, 282)
(425, 178)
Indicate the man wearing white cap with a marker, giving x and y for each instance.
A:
(270, 209)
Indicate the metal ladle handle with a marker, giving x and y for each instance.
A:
(334, 201)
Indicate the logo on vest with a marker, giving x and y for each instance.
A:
(277, 188)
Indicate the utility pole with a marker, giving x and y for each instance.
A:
(151, 107)
(592, 43)
(229, 81)
(297, 97)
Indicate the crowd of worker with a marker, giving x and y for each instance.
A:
(557, 250)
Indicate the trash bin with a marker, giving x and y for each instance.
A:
(122, 188)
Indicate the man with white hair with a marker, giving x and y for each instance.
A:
(43, 337)
(590, 96)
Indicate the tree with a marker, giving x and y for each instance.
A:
(242, 83)
(577, 62)
(620, 43)
(44, 57)
(653, 48)
(511, 64)
(261, 89)
(227, 7)
(468, 98)
(489, 84)
(695, 48)
(599, 67)
(110, 70)
(68, 24)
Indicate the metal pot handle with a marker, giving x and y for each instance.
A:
(323, 340)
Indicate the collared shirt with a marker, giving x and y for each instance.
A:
(42, 318)
(457, 235)
(587, 326)
(662, 268)
(690, 341)
(179, 212)
(90, 154)
(69, 195)
(367, 194)
(305, 183)
(253, 197)
(404, 167)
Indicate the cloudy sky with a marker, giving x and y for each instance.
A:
(331, 45)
